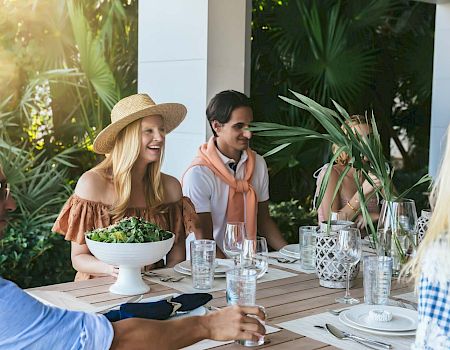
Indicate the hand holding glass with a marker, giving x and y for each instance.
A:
(348, 251)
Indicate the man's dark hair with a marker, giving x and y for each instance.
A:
(223, 104)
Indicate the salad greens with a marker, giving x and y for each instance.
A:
(129, 230)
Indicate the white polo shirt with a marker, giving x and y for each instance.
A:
(209, 193)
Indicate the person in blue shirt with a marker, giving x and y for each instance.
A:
(26, 323)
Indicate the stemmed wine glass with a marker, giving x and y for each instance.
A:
(255, 255)
(233, 240)
(348, 251)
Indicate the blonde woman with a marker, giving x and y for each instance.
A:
(347, 202)
(431, 267)
(128, 182)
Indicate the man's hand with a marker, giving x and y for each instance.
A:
(235, 322)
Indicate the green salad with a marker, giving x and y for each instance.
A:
(129, 230)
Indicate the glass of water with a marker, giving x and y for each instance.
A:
(307, 242)
(377, 279)
(255, 255)
(241, 290)
(203, 262)
(233, 240)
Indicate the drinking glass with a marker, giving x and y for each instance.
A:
(241, 290)
(397, 232)
(307, 245)
(255, 255)
(203, 256)
(233, 240)
(348, 251)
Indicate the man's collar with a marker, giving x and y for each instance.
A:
(227, 160)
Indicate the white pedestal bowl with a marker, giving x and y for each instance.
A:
(130, 257)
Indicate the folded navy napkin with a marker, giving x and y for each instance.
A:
(159, 310)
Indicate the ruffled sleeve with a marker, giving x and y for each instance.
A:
(78, 216)
(190, 217)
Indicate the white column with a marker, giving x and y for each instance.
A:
(188, 51)
(440, 101)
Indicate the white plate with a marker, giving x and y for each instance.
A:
(222, 265)
(291, 250)
(403, 320)
(178, 269)
(343, 319)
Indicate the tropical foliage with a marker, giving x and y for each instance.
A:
(369, 55)
(365, 153)
(64, 65)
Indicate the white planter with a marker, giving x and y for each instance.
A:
(331, 272)
(422, 224)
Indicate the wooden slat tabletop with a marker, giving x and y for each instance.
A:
(286, 299)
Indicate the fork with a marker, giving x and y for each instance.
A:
(171, 279)
(336, 312)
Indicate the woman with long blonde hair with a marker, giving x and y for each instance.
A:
(347, 202)
(431, 268)
(128, 182)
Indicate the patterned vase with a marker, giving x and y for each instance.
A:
(422, 224)
(332, 273)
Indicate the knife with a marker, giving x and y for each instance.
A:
(364, 341)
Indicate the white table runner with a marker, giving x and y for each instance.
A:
(185, 285)
(208, 344)
(305, 326)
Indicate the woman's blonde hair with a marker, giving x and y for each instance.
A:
(438, 225)
(119, 164)
(356, 119)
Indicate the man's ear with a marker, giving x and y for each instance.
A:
(216, 126)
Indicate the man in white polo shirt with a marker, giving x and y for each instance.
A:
(227, 181)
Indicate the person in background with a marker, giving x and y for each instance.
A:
(229, 182)
(347, 201)
(128, 182)
(431, 269)
(26, 323)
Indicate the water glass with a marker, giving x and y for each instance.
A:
(255, 255)
(241, 290)
(377, 279)
(203, 256)
(233, 240)
(307, 242)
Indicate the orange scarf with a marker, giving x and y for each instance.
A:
(208, 156)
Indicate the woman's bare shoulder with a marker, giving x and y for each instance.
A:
(92, 186)
(172, 188)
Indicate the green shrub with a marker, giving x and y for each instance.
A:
(35, 258)
(290, 215)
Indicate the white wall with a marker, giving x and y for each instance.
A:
(440, 104)
(188, 51)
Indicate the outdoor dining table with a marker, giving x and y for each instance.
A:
(284, 300)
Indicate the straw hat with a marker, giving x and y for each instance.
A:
(132, 108)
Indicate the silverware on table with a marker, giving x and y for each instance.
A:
(336, 312)
(162, 277)
(404, 303)
(361, 340)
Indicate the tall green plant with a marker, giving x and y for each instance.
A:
(365, 153)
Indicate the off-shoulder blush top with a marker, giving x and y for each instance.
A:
(80, 215)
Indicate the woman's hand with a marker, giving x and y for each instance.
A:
(112, 270)
(367, 187)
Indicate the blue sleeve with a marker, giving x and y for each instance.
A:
(26, 323)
